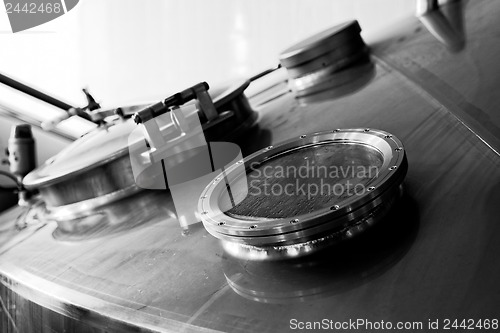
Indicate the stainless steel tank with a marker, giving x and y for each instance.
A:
(433, 257)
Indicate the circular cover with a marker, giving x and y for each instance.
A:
(104, 144)
(93, 149)
(305, 188)
(321, 43)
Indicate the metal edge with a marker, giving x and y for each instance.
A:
(292, 251)
(309, 231)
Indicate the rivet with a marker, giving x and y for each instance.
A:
(253, 226)
(399, 149)
(367, 130)
(270, 147)
(388, 136)
(205, 213)
(393, 167)
(335, 130)
(294, 221)
(336, 207)
(303, 136)
(221, 223)
(371, 188)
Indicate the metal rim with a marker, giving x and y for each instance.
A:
(309, 230)
(225, 226)
(82, 208)
(312, 79)
(302, 248)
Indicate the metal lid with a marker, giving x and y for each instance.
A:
(94, 149)
(105, 144)
(298, 191)
(321, 61)
(324, 42)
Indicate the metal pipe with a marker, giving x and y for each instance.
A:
(34, 93)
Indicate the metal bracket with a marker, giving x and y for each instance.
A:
(151, 130)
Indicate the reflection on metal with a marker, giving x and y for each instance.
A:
(306, 194)
(96, 169)
(95, 222)
(314, 63)
(113, 218)
(19, 115)
(343, 83)
(445, 23)
(336, 270)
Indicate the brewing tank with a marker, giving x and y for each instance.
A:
(428, 81)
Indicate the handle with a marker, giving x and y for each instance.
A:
(164, 106)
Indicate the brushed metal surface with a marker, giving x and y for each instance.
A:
(440, 260)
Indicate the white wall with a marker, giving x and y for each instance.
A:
(132, 50)
(152, 48)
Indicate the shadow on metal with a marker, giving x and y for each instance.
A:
(335, 270)
(116, 218)
(256, 138)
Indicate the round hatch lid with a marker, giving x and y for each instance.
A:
(321, 62)
(107, 143)
(93, 149)
(294, 198)
(336, 37)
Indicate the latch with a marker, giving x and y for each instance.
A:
(182, 125)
